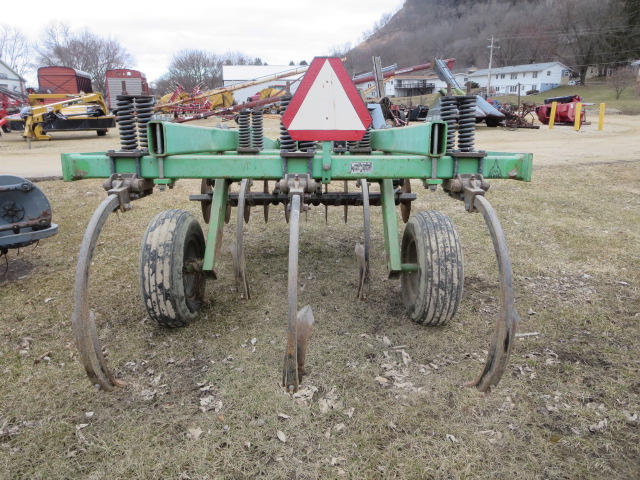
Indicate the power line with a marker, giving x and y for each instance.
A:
(621, 29)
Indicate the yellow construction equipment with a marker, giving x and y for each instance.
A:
(64, 112)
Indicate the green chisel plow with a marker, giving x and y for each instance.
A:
(177, 257)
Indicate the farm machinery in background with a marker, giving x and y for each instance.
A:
(65, 102)
(444, 107)
(325, 138)
(25, 214)
(62, 113)
(202, 104)
(565, 110)
(10, 103)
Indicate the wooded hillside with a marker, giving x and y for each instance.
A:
(578, 33)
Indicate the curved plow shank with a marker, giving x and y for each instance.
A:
(362, 252)
(508, 318)
(237, 250)
(298, 323)
(82, 319)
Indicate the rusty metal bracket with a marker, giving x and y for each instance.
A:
(466, 187)
(128, 187)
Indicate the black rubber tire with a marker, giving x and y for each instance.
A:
(432, 295)
(101, 133)
(172, 282)
(492, 122)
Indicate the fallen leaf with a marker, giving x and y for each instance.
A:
(596, 427)
(281, 436)
(382, 380)
(194, 433)
(451, 438)
(386, 341)
(284, 416)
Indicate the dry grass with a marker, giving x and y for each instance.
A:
(204, 402)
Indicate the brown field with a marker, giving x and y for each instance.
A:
(204, 402)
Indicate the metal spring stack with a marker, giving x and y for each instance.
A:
(126, 122)
(243, 129)
(286, 142)
(134, 113)
(257, 129)
(144, 112)
(466, 123)
(366, 140)
(449, 114)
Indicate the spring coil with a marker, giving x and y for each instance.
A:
(144, 112)
(466, 123)
(243, 129)
(126, 122)
(286, 142)
(257, 129)
(366, 139)
(306, 145)
(449, 114)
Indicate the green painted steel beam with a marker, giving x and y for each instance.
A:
(166, 138)
(268, 165)
(391, 232)
(423, 139)
(216, 226)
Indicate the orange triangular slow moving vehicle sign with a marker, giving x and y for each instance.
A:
(326, 105)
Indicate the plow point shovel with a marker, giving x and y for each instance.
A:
(297, 342)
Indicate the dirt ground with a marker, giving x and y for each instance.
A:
(618, 141)
(384, 396)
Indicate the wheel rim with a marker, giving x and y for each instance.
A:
(192, 274)
(410, 280)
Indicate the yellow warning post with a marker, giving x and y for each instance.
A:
(552, 115)
(577, 122)
(601, 117)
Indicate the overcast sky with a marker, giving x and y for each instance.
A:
(276, 31)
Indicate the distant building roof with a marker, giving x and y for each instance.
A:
(20, 77)
(532, 67)
(242, 73)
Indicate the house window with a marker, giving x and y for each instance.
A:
(524, 75)
(512, 88)
(535, 74)
(548, 73)
(502, 76)
(514, 76)
(565, 73)
(497, 77)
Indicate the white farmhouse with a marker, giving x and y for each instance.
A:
(523, 78)
(10, 79)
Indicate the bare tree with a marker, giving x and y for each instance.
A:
(61, 46)
(191, 68)
(620, 79)
(14, 48)
(587, 27)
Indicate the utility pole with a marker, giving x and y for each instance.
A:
(490, 47)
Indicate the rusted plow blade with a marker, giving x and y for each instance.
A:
(362, 251)
(299, 322)
(237, 249)
(82, 319)
(508, 318)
